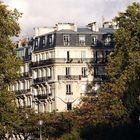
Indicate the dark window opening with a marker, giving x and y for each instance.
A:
(66, 40)
(68, 89)
(69, 106)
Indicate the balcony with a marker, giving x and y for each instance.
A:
(20, 92)
(69, 93)
(41, 80)
(101, 78)
(69, 77)
(25, 75)
(84, 76)
(41, 96)
(61, 61)
(100, 61)
(27, 58)
(42, 62)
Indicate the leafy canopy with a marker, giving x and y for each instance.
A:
(9, 66)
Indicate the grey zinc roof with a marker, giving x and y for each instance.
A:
(83, 30)
(106, 30)
(65, 31)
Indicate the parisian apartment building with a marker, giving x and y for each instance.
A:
(59, 64)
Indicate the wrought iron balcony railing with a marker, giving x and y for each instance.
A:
(101, 78)
(25, 75)
(69, 93)
(41, 96)
(69, 77)
(96, 61)
(61, 60)
(100, 60)
(23, 91)
(41, 80)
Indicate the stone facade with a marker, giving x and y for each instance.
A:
(63, 61)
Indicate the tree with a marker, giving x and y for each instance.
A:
(26, 123)
(9, 67)
(118, 102)
(124, 64)
(56, 124)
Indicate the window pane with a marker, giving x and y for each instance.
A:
(66, 40)
(81, 39)
(69, 106)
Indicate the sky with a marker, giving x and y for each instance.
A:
(47, 13)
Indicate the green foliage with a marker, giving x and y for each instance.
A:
(124, 65)
(73, 135)
(9, 67)
(56, 124)
(105, 108)
(26, 123)
(118, 100)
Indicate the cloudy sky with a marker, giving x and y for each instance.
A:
(38, 13)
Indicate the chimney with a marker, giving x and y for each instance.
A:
(92, 26)
(107, 24)
(66, 26)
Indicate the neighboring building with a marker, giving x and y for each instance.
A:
(23, 85)
(102, 48)
(60, 65)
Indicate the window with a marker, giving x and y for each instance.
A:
(26, 67)
(93, 40)
(36, 42)
(49, 72)
(82, 40)
(67, 56)
(99, 56)
(50, 40)
(66, 40)
(69, 106)
(50, 89)
(67, 71)
(99, 71)
(84, 70)
(107, 40)
(43, 42)
(68, 89)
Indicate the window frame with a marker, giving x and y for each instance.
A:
(66, 40)
(68, 71)
(94, 39)
(69, 106)
(82, 41)
(84, 71)
(68, 89)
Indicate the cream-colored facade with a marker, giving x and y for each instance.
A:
(66, 80)
(57, 68)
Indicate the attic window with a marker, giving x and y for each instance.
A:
(36, 42)
(107, 40)
(81, 40)
(50, 39)
(66, 40)
(43, 41)
(93, 39)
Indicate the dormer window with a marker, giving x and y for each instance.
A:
(36, 42)
(93, 39)
(50, 40)
(43, 42)
(82, 40)
(66, 40)
(107, 40)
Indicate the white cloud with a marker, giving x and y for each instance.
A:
(50, 12)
